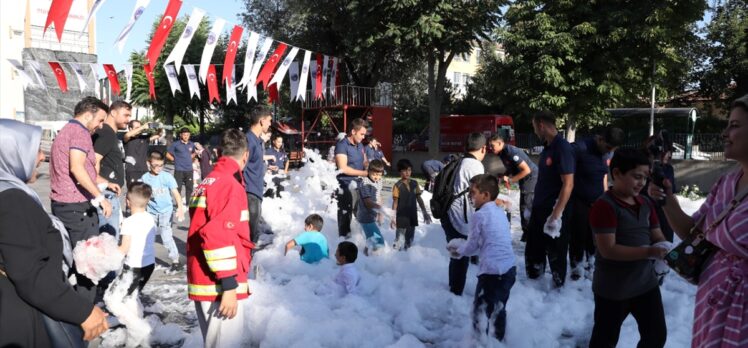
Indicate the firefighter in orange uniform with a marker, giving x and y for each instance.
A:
(218, 247)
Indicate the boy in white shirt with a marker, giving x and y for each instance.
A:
(348, 276)
(490, 238)
(138, 236)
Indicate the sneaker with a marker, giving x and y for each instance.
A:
(175, 267)
(557, 280)
(535, 271)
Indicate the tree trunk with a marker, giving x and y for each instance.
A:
(202, 123)
(571, 128)
(437, 74)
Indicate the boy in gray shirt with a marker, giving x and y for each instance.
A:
(369, 205)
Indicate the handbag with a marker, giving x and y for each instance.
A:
(690, 256)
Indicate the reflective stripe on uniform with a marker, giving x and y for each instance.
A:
(197, 202)
(220, 253)
(213, 290)
(244, 216)
(222, 265)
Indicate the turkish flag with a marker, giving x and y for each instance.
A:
(151, 85)
(58, 13)
(273, 93)
(212, 85)
(318, 78)
(111, 73)
(164, 27)
(269, 67)
(60, 75)
(228, 62)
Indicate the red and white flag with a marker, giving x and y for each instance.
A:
(177, 53)
(273, 93)
(325, 75)
(210, 46)
(58, 14)
(189, 70)
(151, 84)
(301, 91)
(269, 67)
(233, 47)
(111, 74)
(212, 83)
(318, 78)
(251, 85)
(281, 72)
(249, 57)
(164, 27)
(60, 75)
(137, 11)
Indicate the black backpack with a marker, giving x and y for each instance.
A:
(443, 191)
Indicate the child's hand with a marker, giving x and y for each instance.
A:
(657, 252)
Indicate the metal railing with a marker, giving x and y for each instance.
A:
(349, 95)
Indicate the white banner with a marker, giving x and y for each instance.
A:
(94, 8)
(281, 72)
(26, 80)
(231, 90)
(180, 48)
(128, 77)
(210, 46)
(313, 71)
(171, 75)
(36, 68)
(293, 78)
(251, 86)
(254, 39)
(97, 86)
(140, 6)
(189, 69)
(301, 92)
(325, 70)
(79, 75)
(333, 76)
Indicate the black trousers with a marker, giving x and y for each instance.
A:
(457, 267)
(491, 296)
(541, 246)
(184, 178)
(582, 244)
(646, 309)
(406, 234)
(526, 195)
(82, 222)
(140, 277)
(255, 215)
(345, 211)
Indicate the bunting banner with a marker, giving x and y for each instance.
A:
(151, 84)
(325, 75)
(128, 77)
(97, 86)
(171, 75)
(164, 27)
(313, 78)
(281, 72)
(301, 92)
(58, 14)
(137, 11)
(212, 83)
(94, 8)
(37, 69)
(60, 75)
(188, 33)
(318, 77)
(26, 80)
(334, 76)
(251, 86)
(269, 67)
(293, 79)
(273, 93)
(231, 90)
(210, 45)
(233, 46)
(111, 74)
(79, 75)
(254, 39)
(189, 70)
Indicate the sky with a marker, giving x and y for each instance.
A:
(114, 15)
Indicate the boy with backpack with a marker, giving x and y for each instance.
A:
(405, 194)
(626, 230)
(450, 203)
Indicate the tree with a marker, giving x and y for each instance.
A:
(579, 58)
(725, 76)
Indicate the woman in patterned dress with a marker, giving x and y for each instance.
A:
(721, 311)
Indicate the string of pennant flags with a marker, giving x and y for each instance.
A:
(261, 67)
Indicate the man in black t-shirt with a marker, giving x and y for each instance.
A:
(110, 161)
(136, 142)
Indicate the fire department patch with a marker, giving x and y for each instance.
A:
(548, 161)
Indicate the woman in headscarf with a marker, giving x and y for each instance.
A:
(37, 305)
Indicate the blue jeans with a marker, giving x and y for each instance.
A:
(163, 224)
(111, 224)
(373, 235)
(492, 293)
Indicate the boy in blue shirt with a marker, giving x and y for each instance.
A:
(161, 204)
(313, 243)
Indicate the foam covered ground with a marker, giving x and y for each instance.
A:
(403, 299)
